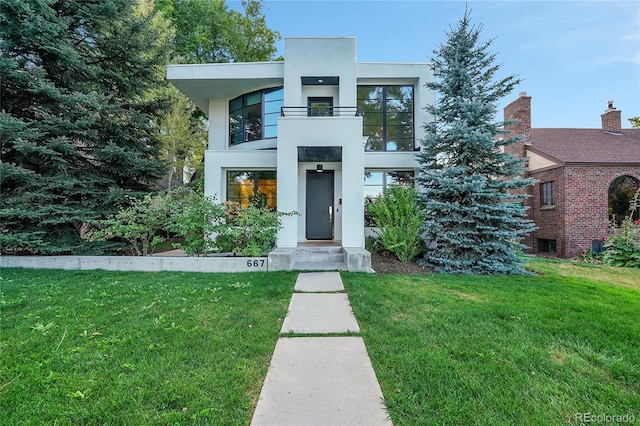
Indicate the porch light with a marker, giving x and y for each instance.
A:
(319, 168)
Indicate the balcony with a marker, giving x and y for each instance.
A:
(320, 111)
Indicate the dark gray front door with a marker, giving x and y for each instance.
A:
(319, 205)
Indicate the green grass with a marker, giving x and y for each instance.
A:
(504, 349)
(95, 347)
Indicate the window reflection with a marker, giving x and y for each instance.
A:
(621, 192)
(376, 182)
(252, 187)
(387, 117)
(253, 116)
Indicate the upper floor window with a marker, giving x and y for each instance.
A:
(387, 117)
(322, 107)
(548, 194)
(253, 116)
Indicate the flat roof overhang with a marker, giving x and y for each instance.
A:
(201, 82)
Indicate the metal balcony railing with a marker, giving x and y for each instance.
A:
(320, 111)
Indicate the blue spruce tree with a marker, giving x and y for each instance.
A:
(471, 188)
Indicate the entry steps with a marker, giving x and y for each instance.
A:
(319, 258)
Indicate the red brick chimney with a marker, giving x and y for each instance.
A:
(519, 110)
(611, 119)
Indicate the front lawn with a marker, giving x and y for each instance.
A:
(504, 349)
(96, 347)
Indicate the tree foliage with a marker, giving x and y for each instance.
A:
(635, 121)
(183, 135)
(469, 184)
(76, 116)
(206, 31)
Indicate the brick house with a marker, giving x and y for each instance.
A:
(584, 179)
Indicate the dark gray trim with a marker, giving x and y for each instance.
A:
(320, 81)
(326, 154)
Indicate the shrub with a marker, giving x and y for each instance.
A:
(196, 219)
(141, 224)
(249, 231)
(623, 248)
(399, 219)
(203, 225)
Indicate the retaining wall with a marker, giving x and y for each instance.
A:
(138, 263)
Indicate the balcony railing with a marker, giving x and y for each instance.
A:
(320, 111)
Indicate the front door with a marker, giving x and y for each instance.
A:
(319, 209)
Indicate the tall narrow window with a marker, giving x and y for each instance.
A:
(387, 117)
(548, 194)
(254, 116)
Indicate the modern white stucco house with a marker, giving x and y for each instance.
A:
(316, 133)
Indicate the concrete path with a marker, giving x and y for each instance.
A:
(320, 380)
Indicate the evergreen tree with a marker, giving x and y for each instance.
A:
(76, 116)
(471, 188)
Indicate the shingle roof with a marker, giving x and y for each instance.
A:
(587, 145)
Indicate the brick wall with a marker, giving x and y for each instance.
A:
(548, 219)
(581, 211)
(587, 216)
(519, 110)
(611, 119)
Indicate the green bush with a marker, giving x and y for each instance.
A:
(399, 219)
(195, 219)
(249, 231)
(201, 225)
(623, 248)
(140, 225)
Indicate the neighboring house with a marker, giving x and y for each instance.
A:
(585, 179)
(317, 134)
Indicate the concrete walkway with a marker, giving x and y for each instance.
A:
(320, 380)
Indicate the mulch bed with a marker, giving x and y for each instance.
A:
(386, 263)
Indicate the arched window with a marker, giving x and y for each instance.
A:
(621, 192)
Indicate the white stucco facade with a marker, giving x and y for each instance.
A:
(314, 69)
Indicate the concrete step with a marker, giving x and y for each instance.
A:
(319, 257)
(319, 249)
(319, 266)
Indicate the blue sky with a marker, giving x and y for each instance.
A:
(573, 55)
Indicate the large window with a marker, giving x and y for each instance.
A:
(548, 194)
(375, 182)
(255, 187)
(254, 116)
(621, 192)
(387, 117)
